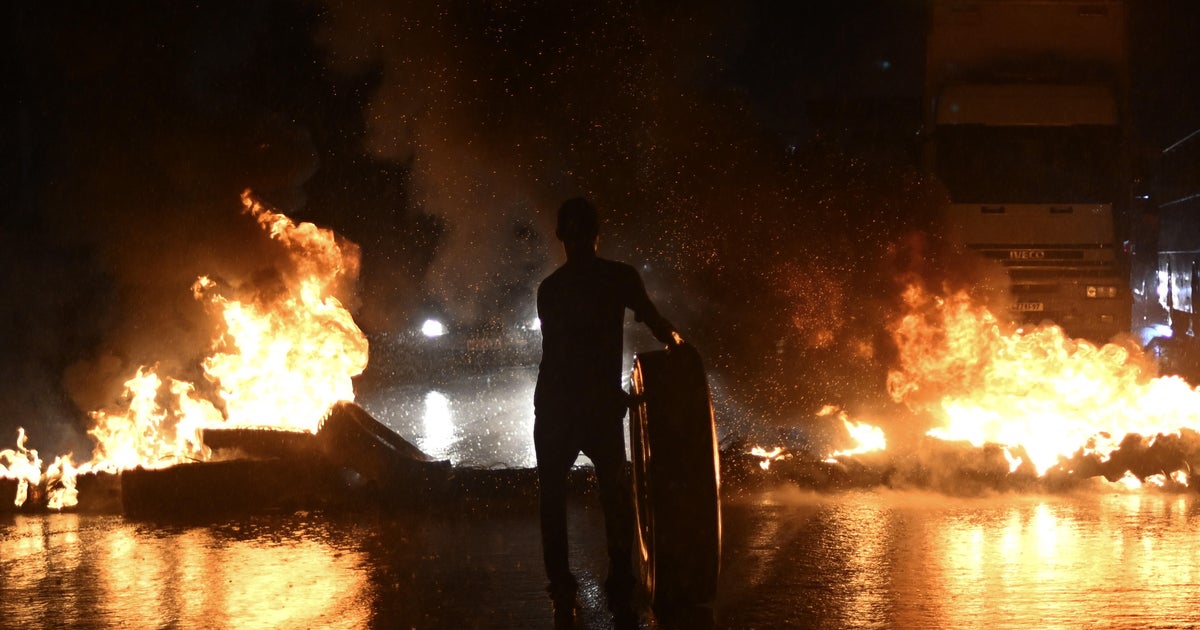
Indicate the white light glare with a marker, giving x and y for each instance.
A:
(433, 328)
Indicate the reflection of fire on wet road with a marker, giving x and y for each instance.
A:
(284, 351)
(1031, 403)
(198, 576)
(903, 559)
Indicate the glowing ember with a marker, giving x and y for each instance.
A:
(280, 359)
(1040, 390)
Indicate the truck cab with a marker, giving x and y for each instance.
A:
(1026, 127)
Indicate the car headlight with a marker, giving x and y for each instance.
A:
(433, 328)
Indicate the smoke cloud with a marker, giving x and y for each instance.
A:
(770, 236)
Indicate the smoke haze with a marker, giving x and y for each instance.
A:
(755, 162)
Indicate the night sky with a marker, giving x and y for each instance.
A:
(756, 160)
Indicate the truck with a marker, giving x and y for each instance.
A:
(1026, 128)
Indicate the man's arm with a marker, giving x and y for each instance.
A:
(645, 312)
(663, 330)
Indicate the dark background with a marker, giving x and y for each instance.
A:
(756, 160)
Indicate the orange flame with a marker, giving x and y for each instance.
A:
(155, 428)
(867, 437)
(284, 364)
(23, 465)
(767, 456)
(278, 362)
(1040, 390)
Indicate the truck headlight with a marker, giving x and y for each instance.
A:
(1100, 291)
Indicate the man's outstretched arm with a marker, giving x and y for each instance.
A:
(662, 329)
(645, 312)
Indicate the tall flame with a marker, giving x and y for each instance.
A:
(278, 361)
(284, 364)
(1040, 390)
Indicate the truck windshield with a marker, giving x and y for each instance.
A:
(986, 164)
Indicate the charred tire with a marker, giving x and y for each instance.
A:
(676, 480)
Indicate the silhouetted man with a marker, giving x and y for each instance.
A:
(579, 404)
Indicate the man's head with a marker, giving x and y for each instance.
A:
(578, 222)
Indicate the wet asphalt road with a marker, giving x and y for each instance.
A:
(792, 558)
(479, 419)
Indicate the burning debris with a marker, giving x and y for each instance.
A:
(1007, 410)
(284, 351)
(21, 466)
(1039, 394)
(352, 460)
(867, 437)
(768, 456)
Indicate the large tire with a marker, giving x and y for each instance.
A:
(676, 479)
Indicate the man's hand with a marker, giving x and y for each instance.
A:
(664, 331)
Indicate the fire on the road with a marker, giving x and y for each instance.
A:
(1043, 396)
(1046, 399)
(867, 437)
(767, 456)
(280, 359)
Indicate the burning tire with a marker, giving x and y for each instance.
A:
(676, 479)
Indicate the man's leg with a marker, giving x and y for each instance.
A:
(555, 455)
(607, 452)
